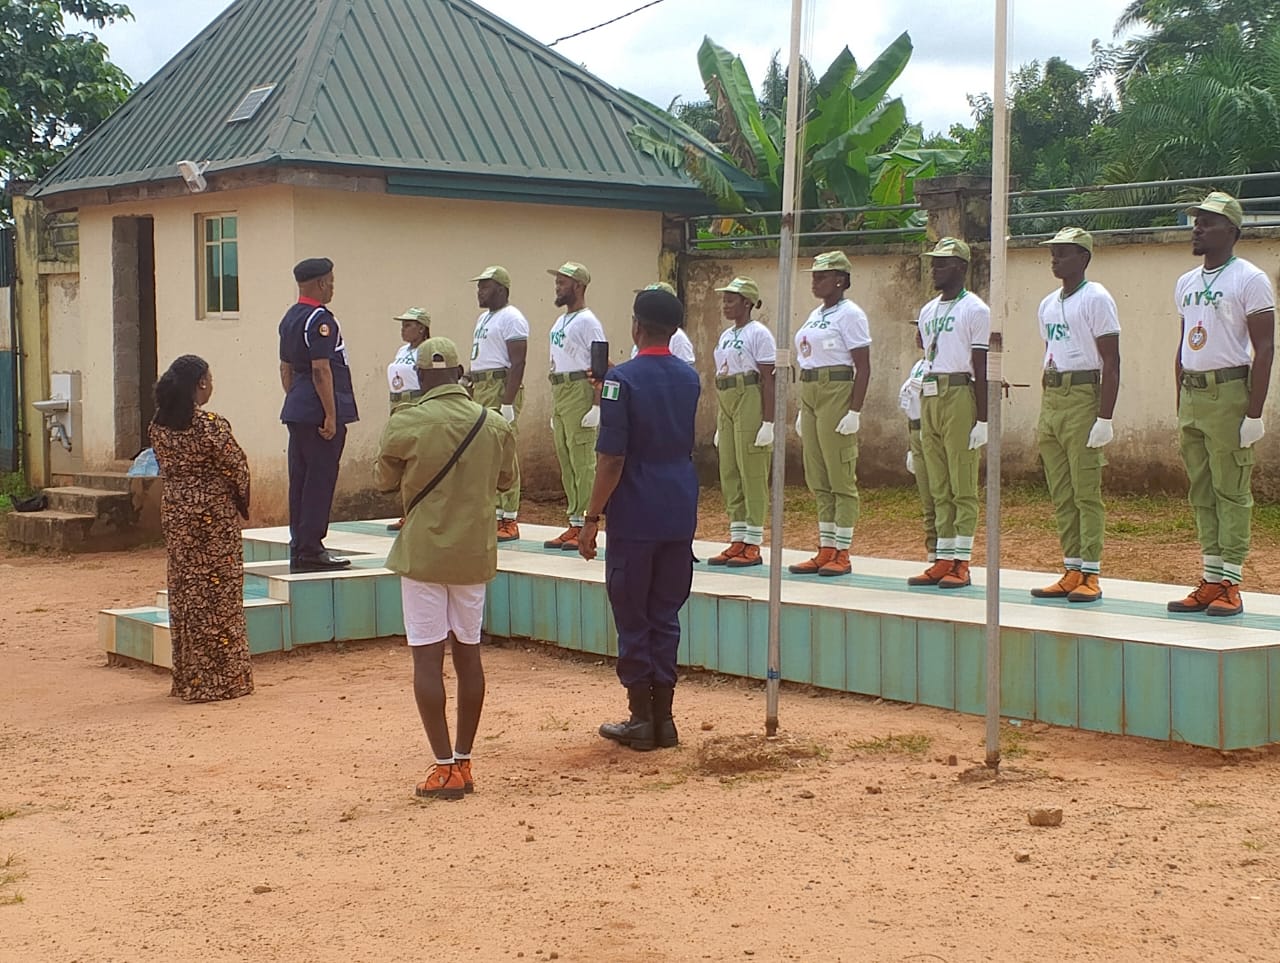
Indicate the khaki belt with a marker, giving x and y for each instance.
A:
(953, 378)
(734, 381)
(836, 372)
(1060, 379)
(1202, 379)
(397, 396)
(492, 374)
(913, 424)
(559, 378)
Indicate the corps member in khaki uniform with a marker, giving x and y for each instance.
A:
(909, 402)
(1223, 366)
(575, 402)
(833, 350)
(499, 347)
(745, 356)
(1081, 379)
(954, 328)
(442, 559)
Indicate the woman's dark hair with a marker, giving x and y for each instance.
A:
(176, 392)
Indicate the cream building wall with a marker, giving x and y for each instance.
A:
(390, 252)
(892, 285)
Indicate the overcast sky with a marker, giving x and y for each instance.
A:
(654, 52)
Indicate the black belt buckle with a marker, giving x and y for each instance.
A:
(1194, 379)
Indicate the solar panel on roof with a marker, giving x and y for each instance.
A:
(255, 98)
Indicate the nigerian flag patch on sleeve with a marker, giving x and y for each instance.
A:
(610, 391)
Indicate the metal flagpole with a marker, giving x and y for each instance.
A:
(782, 381)
(995, 373)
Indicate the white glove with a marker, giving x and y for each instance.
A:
(553, 424)
(764, 436)
(1251, 430)
(592, 418)
(509, 412)
(1100, 434)
(978, 437)
(911, 463)
(850, 423)
(798, 431)
(715, 439)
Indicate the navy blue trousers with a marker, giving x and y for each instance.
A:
(647, 582)
(313, 475)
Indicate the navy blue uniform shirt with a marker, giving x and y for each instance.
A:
(647, 407)
(309, 332)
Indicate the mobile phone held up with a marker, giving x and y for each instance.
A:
(599, 359)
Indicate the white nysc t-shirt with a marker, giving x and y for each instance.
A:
(402, 373)
(950, 330)
(571, 338)
(1214, 307)
(1070, 327)
(829, 335)
(743, 350)
(493, 330)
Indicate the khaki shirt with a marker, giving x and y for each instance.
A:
(450, 538)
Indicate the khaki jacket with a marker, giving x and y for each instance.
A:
(450, 538)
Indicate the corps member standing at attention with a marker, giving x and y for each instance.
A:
(833, 350)
(745, 357)
(319, 403)
(575, 401)
(1223, 367)
(446, 455)
(646, 484)
(499, 347)
(909, 402)
(681, 346)
(1081, 379)
(955, 328)
(402, 373)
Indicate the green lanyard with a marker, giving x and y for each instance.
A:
(938, 312)
(1209, 281)
(567, 318)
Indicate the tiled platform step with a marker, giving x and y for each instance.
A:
(1123, 665)
(105, 511)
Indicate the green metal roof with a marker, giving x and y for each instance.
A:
(441, 96)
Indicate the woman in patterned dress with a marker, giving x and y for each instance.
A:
(206, 486)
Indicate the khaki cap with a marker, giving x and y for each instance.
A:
(950, 247)
(495, 272)
(437, 353)
(1072, 235)
(572, 269)
(747, 287)
(1220, 202)
(657, 286)
(414, 314)
(832, 261)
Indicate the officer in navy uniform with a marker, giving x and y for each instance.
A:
(645, 482)
(319, 403)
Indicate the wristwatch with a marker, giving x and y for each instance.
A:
(593, 519)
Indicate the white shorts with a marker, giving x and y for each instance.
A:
(432, 611)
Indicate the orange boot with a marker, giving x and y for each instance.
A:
(840, 565)
(1070, 581)
(825, 554)
(1201, 597)
(1087, 591)
(443, 782)
(1227, 603)
(750, 555)
(933, 574)
(958, 577)
(566, 541)
(733, 551)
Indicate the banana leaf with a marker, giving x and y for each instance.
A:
(874, 82)
(726, 82)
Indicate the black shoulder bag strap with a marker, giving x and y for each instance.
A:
(430, 486)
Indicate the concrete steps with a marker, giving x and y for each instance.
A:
(98, 512)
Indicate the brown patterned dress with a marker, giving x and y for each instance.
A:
(206, 486)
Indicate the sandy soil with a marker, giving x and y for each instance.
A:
(282, 827)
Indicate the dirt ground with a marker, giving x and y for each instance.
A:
(282, 827)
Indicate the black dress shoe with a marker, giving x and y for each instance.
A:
(326, 561)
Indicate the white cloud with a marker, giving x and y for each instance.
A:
(654, 52)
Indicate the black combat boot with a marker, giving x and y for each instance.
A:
(664, 727)
(636, 732)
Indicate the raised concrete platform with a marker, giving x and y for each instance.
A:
(1123, 665)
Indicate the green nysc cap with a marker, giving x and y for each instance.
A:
(748, 288)
(832, 261)
(1220, 202)
(658, 286)
(437, 353)
(415, 314)
(950, 247)
(572, 269)
(495, 272)
(1072, 235)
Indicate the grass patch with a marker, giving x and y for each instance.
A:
(554, 723)
(8, 814)
(10, 875)
(910, 744)
(1014, 742)
(13, 485)
(1254, 845)
(736, 755)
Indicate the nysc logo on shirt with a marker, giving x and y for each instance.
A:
(1208, 298)
(938, 325)
(1057, 332)
(557, 338)
(609, 392)
(731, 341)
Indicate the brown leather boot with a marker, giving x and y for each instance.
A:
(1201, 597)
(508, 530)
(825, 554)
(733, 551)
(1087, 591)
(566, 541)
(958, 577)
(1060, 589)
(839, 565)
(1228, 603)
(933, 574)
(750, 555)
